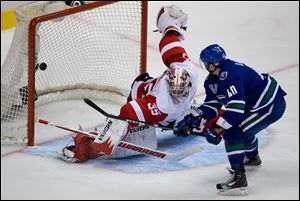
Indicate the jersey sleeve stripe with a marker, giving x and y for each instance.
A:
(238, 106)
(168, 39)
(172, 52)
(236, 101)
(175, 60)
(223, 123)
(171, 49)
(235, 110)
(170, 46)
(212, 108)
(138, 110)
(215, 105)
(213, 101)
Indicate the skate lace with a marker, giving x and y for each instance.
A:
(231, 176)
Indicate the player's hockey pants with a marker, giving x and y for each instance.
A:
(240, 140)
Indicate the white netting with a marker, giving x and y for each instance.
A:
(94, 50)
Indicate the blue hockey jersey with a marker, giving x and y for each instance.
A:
(241, 90)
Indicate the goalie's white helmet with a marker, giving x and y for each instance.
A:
(179, 82)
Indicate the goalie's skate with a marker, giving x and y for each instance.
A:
(235, 186)
(67, 154)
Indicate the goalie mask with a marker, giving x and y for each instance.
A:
(179, 82)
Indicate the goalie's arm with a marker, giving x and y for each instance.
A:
(171, 22)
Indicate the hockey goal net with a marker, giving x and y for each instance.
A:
(99, 46)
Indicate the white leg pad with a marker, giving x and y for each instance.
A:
(141, 135)
(110, 135)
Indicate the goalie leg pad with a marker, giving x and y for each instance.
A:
(142, 135)
(110, 135)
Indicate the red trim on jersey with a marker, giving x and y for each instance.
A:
(175, 54)
(167, 39)
(141, 90)
(149, 109)
(128, 112)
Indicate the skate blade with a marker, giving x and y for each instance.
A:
(252, 168)
(243, 191)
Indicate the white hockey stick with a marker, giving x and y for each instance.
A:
(134, 147)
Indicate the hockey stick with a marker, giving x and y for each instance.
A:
(96, 107)
(134, 147)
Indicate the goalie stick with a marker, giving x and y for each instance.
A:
(96, 107)
(134, 147)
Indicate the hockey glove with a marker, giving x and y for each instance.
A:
(187, 124)
(172, 18)
(213, 137)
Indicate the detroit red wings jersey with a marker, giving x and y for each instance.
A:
(151, 100)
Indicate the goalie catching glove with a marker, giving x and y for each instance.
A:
(172, 18)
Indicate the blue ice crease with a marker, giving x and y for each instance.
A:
(210, 155)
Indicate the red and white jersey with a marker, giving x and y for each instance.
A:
(151, 100)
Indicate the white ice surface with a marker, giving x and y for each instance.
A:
(264, 35)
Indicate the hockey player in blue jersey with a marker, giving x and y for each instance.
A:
(252, 102)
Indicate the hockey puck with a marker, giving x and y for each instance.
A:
(43, 66)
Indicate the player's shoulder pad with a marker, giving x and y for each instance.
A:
(229, 71)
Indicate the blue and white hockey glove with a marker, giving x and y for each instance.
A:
(187, 124)
(213, 137)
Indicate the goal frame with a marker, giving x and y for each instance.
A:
(32, 49)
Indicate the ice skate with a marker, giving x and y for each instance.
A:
(67, 154)
(252, 161)
(236, 185)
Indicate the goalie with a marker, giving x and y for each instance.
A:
(158, 100)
